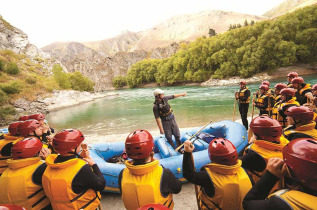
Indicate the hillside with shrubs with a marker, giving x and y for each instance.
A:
(242, 51)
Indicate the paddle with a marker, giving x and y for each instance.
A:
(234, 108)
(252, 112)
(180, 146)
(196, 187)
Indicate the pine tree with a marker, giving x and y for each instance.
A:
(246, 23)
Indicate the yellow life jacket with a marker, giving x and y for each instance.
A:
(308, 129)
(306, 87)
(17, 186)
(275, 112)
(296, 200)
(267, 150)
(241, 94)
(231, 183)
(260, 101)
(141, 185)
(3, 142)
(57, 183)
(277, 98)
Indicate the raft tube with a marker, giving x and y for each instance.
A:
(164, 152)
(4, 130)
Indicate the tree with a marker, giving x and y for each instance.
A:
(252, 22)
(61, 77)
(212, 32)
(246, 23)
(239, 25)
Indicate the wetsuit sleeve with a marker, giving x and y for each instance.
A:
(293, 136)
(169, 183)
(255, 198)
(44, 137)
(168, 97)
(252, 161)
(88, 179)
(156, 111)
(38, 173)
(200, 178)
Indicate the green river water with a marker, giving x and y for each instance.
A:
(112, 118)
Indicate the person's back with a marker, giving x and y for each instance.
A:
(224, 183)
(68, 181)
(144, 180)
(18, 185)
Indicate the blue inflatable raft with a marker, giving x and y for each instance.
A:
(4, 130)
(102, 153)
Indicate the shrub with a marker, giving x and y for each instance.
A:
(11, 88)
(5, 111)
(30, 80)
(80, 82)
(3, 97)
(119, 81)
(1, 65)
(12, 68)
(61, 77)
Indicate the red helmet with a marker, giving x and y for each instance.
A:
(10, 207)
(288, 92)
(264, 87)
(280, 86)
(301, 114)
(139, 144)
(26, 148)
(314, 87)
(243, 82)
(298, 80)
(292, 74)
(265, 82)
(28, 126)
(37, 117)
(153, 207)
(222, 151)
(66, 140)
(300, 155)
(24, 118)
(13, 128)
(266, 128)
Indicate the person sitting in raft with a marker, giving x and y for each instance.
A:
(301, 124)
(24, 118)
(288, 99)
(243, 97)
(262, 102)
(6, 144)
(302, 89)
(266, 143)
(144, 180)
(21, 183)
(277, 93)
(47, 130)
(270, 91)
(163, 110)
(300, 164)
(224, 183)
(72, 181)
(290, 77)
(312, 101)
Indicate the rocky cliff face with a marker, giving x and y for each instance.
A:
(288, 6)
(12, 38)
(99, 68)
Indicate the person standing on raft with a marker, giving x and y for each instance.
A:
(224, 183)
(163, 110)
(243, 97)
(144, 181)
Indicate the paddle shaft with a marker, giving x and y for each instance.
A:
(180, 146)
(234, 108)
(196, 187)
(252, 112)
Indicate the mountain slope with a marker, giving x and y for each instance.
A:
(288, 6)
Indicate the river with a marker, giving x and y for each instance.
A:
(112, 118)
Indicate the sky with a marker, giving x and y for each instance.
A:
(47, 21)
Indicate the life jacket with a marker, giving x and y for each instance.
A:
(17, 186)
(295, 199)
(277, 99)
(308, 129)
(164, 108)
(141, 185)
(300, 94)
(306, 87)
(267, 150)
(241, 95)
(275, 113)
(57, 183)
(3, 142)
(260, 101)
(231, 184)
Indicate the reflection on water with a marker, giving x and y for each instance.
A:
(112, 118)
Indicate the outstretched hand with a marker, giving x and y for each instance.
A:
(184, 94)
(89, 160)
(276, 166)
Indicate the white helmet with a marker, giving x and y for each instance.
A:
(158, 92)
